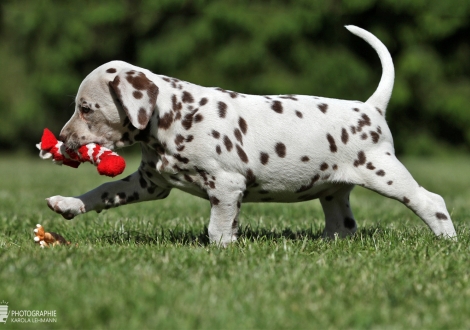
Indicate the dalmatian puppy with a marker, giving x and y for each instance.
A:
(231, 148)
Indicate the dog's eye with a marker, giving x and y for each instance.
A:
(84, 109)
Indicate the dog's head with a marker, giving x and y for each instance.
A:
(108, 99)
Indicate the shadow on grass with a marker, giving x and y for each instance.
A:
(201, 238)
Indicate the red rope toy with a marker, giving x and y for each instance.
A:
(108, 162)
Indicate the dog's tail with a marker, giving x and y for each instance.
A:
(383, 93)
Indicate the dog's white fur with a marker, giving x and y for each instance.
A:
(231, 148)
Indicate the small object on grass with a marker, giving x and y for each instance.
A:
(45, 239)
(108, 162)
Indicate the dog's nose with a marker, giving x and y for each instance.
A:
(62, 137)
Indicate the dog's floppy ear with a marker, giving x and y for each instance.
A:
(137, 94)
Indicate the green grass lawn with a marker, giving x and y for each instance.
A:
(149, 266)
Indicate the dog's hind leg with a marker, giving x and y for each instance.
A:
(386, 175)
(339, 219)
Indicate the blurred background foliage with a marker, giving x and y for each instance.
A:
(259, 47)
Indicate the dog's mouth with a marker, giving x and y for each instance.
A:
(75, 145)
(72, 145)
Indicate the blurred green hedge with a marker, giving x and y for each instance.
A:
(260, 47)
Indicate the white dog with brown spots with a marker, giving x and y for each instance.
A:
(232, 148)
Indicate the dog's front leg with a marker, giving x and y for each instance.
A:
(225, 205)
(132, 189)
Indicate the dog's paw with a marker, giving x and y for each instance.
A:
(219, 240)
(68, 207)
